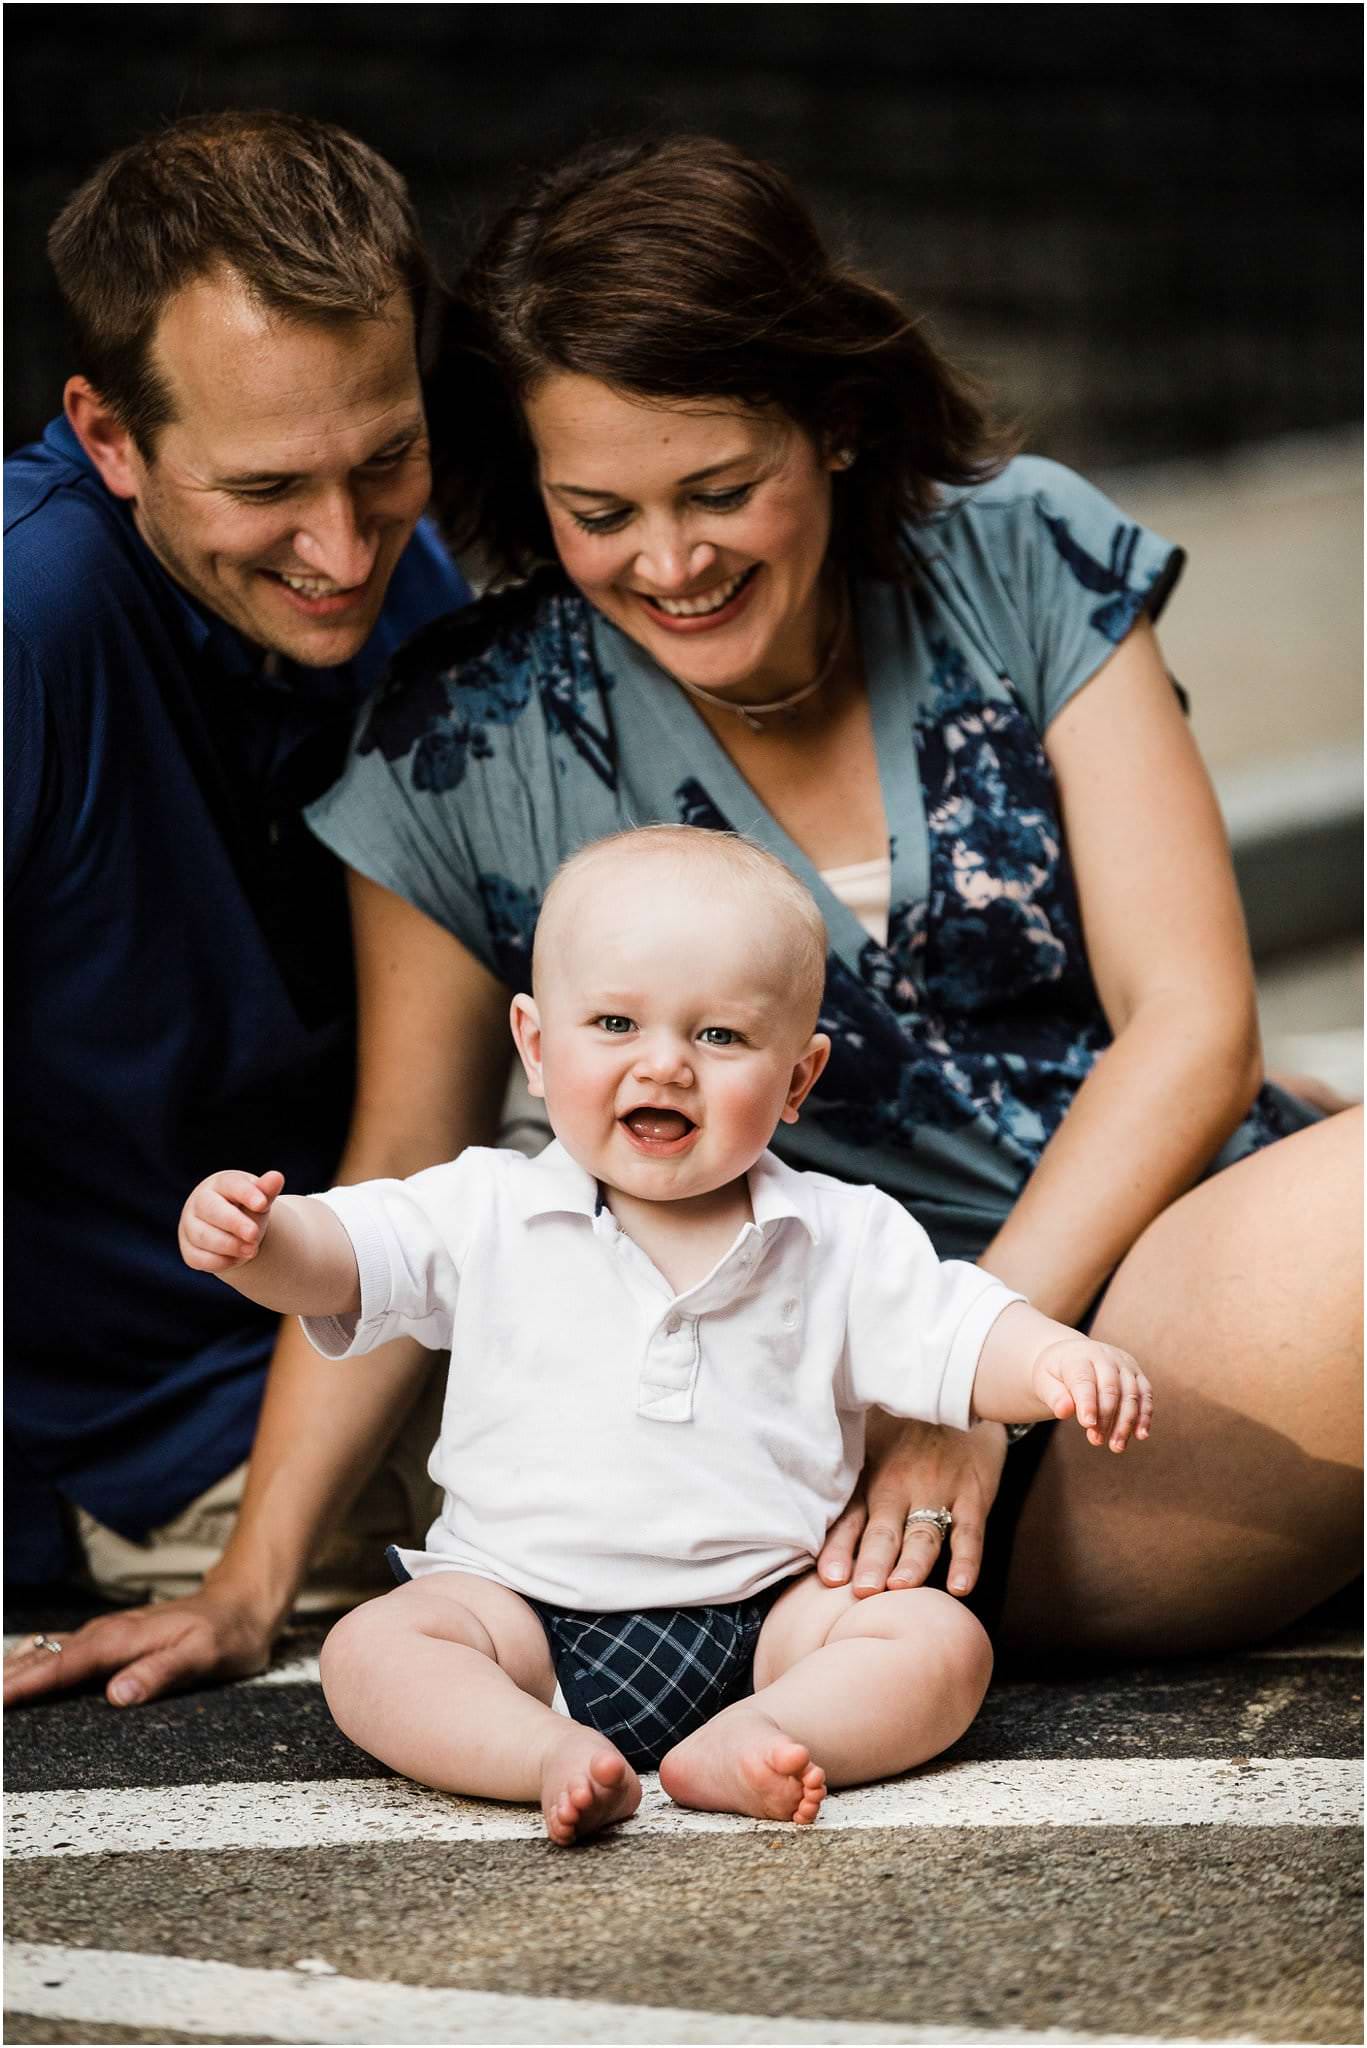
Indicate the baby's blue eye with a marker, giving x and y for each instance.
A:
(719, 1034)
(615, 1024)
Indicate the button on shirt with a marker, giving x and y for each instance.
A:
(607, 1443)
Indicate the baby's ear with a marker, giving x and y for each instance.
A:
(806, 1074)
(525, 1020)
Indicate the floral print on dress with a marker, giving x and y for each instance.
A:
(456, 684)
(1110, 578)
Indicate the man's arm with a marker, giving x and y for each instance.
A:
(434, 1056)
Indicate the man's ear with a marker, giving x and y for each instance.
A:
(526, 1022)
(104, 438)
(806, 1074)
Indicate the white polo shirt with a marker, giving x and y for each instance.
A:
(607, 1443)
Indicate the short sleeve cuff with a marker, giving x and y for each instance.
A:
(343, 1336)
(961, 1367)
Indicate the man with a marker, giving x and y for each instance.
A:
(209, 560)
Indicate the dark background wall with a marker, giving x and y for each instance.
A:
(1141, 221)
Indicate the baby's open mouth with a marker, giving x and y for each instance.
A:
(658, 1126)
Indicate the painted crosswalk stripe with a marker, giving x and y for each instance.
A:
(311, 1813)
(170, 1994)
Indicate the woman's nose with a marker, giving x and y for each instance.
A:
(670, 562)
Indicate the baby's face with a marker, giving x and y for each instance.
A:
(663, 1037)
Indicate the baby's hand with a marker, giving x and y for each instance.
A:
(1103, 1387)
(224, 1222)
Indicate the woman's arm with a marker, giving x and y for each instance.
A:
(1168, 951)
(1169, 954)
(433, 1064)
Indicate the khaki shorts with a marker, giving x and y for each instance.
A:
(396, 1505)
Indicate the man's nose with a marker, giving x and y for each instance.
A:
(332, 539)
(670, 562)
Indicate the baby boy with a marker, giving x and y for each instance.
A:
(664, 1342)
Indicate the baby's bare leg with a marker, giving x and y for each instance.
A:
(449, 1680)
(845, 1689)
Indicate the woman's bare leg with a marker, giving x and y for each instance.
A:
(1243, 1303)
(449, 1680)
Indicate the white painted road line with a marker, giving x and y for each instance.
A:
(166, 1993)
(327, 1813)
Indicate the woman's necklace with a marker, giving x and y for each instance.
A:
(754, 715)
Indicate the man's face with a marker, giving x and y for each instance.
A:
(288, 484)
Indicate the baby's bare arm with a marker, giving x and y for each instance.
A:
(289, 1252)
(1032, 1367)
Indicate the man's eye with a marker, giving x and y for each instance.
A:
(391, 459)
(719, 1034)
(618, 1025)
(265, 495)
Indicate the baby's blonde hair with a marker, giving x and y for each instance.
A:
(735, 862)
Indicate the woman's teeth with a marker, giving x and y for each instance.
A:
(698, 607)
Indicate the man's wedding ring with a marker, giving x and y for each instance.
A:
(48, 1643)
(938, 1519)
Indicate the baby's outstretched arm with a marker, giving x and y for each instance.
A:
(288, 1252)
(1032, 1368)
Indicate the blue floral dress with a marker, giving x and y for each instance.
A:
(510, 734)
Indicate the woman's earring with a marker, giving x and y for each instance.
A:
(843, 458)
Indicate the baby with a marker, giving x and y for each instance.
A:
(664, 1342)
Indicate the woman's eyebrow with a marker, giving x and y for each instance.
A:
(695, 476)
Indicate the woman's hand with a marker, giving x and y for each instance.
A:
(147, 1651)
(915, 1465)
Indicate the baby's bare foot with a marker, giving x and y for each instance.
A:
(585, 1785)
(743, 1762)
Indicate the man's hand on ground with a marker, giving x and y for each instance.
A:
(146, 1651)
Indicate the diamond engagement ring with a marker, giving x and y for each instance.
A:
(938, 1519)
(48, 1643)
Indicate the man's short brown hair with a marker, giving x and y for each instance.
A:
(311, 221)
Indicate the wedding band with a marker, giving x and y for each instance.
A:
(938, 1519)
(48, 1643)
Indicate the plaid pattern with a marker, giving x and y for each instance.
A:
(646, 1680)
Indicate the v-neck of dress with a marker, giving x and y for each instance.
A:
(887, 634)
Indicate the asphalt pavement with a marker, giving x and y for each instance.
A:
(1154, 1853)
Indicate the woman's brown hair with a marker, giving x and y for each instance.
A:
(684, 270)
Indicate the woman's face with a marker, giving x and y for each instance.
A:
(698, 529)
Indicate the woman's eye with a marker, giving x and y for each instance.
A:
(616, 1025)
(719, 1034)
(725, 501)
(606, 522)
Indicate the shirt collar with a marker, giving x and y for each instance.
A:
(558, 1185)
(778, 1191)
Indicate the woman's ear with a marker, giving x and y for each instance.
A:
(806, 1074)
(526, 1022)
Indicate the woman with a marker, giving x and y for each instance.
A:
(766, 610)
(781, 580)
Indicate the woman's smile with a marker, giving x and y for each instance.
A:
(710, 608)
(699, 530)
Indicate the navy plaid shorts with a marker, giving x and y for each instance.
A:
(646, 1680)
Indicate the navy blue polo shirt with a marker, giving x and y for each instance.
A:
(180, 994)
